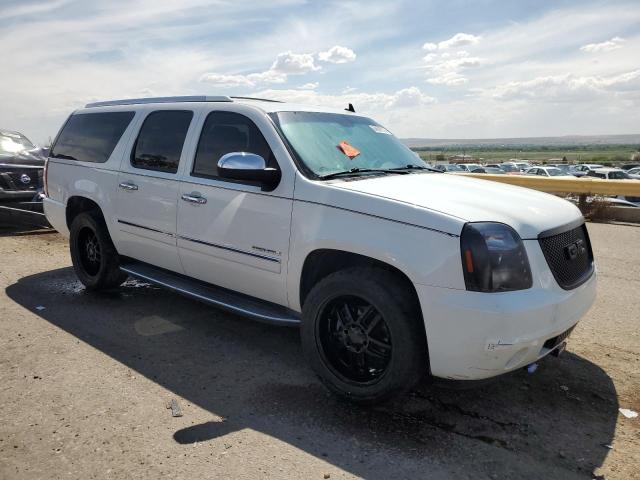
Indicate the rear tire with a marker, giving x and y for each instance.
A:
(94, 257)
(362, 333)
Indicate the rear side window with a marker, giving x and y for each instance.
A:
(91, 137)
(160, 141)
(226, 132)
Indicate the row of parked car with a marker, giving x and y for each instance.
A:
(627, 172)
(548, 170)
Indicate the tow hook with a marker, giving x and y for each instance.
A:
(559, 350)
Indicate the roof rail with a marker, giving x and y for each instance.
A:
(259, 99)
(135, 101)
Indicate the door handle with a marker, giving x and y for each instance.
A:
(128, 186)
(194, 198)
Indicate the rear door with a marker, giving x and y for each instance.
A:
(148, 189)
(230, 233)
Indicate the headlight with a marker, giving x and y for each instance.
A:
(493, 258)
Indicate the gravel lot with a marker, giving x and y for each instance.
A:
(86, 379)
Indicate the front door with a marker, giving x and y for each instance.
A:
(232, 234)
(148, 190)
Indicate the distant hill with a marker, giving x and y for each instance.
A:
(525, 141)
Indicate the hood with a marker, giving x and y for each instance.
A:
(22, 158)
(528, 211)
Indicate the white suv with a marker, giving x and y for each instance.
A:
(319, 217)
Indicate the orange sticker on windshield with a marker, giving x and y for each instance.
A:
(348, 150)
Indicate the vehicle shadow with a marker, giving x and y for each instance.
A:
(555, 422)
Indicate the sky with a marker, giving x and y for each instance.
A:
(434, 69)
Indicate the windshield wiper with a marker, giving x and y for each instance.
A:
(415, 167)
(355, 171)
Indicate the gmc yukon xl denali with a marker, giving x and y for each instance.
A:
(321, 218)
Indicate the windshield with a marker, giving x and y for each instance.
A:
(329, 142)
(453, 168)
(508, 168)
(554, 172)
(14, 142)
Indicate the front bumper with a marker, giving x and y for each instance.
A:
(17, 195)
(474, 335)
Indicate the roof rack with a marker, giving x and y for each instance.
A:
(188, 98)
(258, 99)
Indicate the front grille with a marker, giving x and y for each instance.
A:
(557, 340)
(569, 256)
(13, 179)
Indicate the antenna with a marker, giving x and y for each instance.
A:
(350, 108)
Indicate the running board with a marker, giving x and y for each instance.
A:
(220, 297)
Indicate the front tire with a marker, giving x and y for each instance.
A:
(94, 257)
(363, 335)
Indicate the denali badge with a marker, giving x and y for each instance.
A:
(24, 178)
(573, 250)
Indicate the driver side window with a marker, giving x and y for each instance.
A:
(226, 132)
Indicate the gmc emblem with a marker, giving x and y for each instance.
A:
(575, 249)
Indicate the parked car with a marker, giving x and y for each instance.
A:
(450, 167)
(506, 168)
(609, 174)
(623, 201)
(519, 166)
(492, 170)
(634, 173)
(547, 172)
(583, 169)
(467, 167)
(629, 166)
(21, 168)
(320, 218)
(566, 168)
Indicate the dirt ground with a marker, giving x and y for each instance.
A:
(85, 379)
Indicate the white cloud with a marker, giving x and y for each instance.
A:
(457, 64)
(364, 102)
(294, 63)
(449, 79)
(337, 54)
(409, 97)
(459, 40)
(447, 71)
(286, 63)
(309, 86)
(251, 80)
(568, 88)
(613, 44)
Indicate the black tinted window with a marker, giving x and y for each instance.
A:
(160, 141)
(226, 132)
(91, 137)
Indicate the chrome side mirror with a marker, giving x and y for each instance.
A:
(248, 167)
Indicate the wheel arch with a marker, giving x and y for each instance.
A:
(322, 262)
(78, 204)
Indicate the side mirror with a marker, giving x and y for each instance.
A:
(248, 167)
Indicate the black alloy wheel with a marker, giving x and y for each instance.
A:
(89, 251)
(355, 340)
